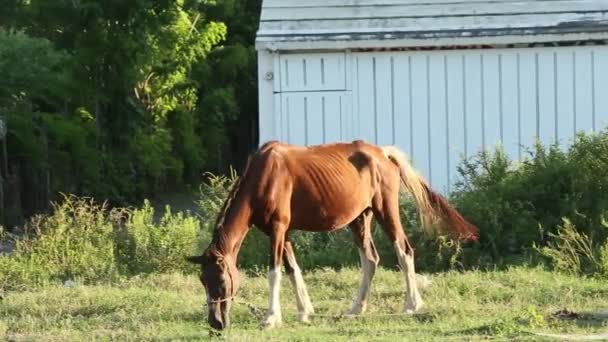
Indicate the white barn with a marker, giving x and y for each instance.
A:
(441, 79)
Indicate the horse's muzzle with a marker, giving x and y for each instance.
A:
(216, 324)
(218, 316)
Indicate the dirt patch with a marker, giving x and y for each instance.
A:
(565, 314)
(587, 318)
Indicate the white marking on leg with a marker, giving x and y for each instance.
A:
(406, 261)
(302, 299)
(273, 316)
(369, 268)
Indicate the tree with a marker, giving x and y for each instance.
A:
(109, 86)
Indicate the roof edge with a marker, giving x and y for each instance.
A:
(426, 39)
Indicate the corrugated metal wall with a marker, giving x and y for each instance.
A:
(442, 105)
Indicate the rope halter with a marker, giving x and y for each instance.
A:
(232, 289)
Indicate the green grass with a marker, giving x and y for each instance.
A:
(504, 305)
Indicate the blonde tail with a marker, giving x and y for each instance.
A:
(432, 206)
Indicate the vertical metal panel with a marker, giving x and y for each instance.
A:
(383, 104)
(546, 97)
(492, 116)
(527, 97)
(565, 94)
(601, 86)
(267, 104)
(366, 74)
(402, 101)
(333, 116)
(294, 118)
(456, 114)
(315, 121)
(473, 103)
(510, 103)
(420, 109)
(584, 94)
(437, 123)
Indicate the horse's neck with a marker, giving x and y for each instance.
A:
(231, 232)
(235, 219)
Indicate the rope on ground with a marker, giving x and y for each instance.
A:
(259, 313)
(255, 311)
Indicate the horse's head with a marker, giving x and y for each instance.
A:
(220, 280)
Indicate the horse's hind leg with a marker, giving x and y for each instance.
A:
(388, 214)
(295, 276)
(361, 228)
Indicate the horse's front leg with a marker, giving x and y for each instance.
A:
(277, 245)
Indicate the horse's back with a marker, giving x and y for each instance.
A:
(328, 185)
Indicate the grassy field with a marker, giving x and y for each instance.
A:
(502, 305)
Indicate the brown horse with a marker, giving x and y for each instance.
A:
(319, 188)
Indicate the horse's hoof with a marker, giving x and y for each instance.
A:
(413, 306)
(272, 322)
(353, 313)
(304, 317)
(214, 333)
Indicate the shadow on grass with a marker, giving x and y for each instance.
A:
(586, 319)
(425, 317)
(515, 327)
(500, 329)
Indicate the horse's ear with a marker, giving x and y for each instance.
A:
(195, 259)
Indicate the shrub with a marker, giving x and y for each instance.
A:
(213, 193)
(85, 241)
(571, 251)
(75, 241)
(520, 205)
(144, 246)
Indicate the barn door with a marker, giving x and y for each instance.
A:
(312, 72)
(310, 118)
(312, 103)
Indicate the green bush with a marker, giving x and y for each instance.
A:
(144, 246)
(85, 241)
(75, 241)
(571, 251)
(518, 205)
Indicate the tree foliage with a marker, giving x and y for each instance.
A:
(122, 99)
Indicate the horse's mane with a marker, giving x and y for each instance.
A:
(219, 223)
